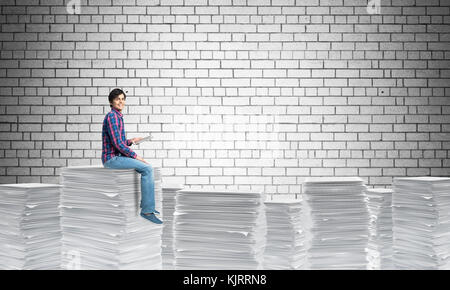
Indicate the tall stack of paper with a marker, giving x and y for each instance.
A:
(168, 201)
(379, 202)
(30, 233)
(339, 223)
(285, 247)
(219, 229)
(101, 225)
(421, 218)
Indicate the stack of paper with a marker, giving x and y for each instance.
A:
(101, 225)
(285, 247)
(339, 223)
(219, 229)
(379, 202)
(30, 233)
(169, 194)
(421, 218)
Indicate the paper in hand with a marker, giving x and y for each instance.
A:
(149, 137)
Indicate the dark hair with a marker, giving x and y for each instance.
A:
(114, 93)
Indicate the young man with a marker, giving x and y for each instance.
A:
(117, 154)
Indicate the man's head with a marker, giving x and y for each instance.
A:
(117, 99)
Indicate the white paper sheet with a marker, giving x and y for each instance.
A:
(168, 251)
(101, 225)
(338, 221)
(30, 233)
(285, 248)
(219, 229)
(421, 222)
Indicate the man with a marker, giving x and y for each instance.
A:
(117, 154)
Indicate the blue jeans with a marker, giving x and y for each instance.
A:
(147, 179)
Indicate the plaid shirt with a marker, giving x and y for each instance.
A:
(113, 136)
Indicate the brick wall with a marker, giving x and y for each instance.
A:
(249, 93)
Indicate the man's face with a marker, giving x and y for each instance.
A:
(119, 102)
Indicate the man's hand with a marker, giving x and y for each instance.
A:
(141, 159)
(134, 140)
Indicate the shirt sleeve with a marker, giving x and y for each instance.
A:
(113, 132)
(129, 143)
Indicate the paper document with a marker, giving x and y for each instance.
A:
(337, 227)
(149, 137)
(219, 229)
(101, 225)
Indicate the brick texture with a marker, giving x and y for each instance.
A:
(238, 93)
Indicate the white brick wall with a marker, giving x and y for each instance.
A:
(251, 93)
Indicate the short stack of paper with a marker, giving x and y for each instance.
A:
(379, 202)
(101, 225)
(421, 218)
(285, 247)
(30, 232)
(219, 229)
(339, 223)
(168, 201)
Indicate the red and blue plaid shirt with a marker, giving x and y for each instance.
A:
(113, 136)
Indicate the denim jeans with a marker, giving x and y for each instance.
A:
(147, 179)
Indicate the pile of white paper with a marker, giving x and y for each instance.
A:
(379, 203)
(102, 228)
(30, 233)
(168, 201)
(421, 218)
(285, 247)
(338, 230)
(219, 229)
